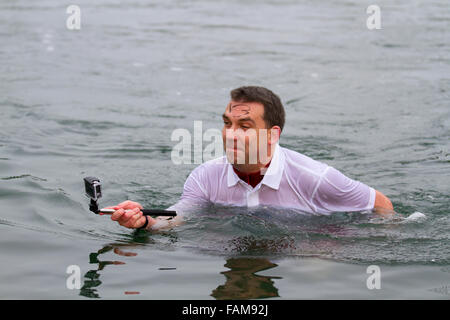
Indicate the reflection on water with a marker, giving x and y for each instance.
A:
(91, 282)
(243, 283)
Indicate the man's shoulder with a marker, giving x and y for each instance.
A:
(304, 162)
(210, 166)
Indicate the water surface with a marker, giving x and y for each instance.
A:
(104, 101)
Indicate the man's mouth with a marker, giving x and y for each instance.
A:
(233, 148)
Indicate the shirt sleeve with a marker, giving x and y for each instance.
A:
(194, 192)
(338, 193)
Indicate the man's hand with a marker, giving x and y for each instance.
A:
(128, 214)
(126, 205)
(383, 205)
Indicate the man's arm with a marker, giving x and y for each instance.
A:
(194, 194)
(382, 204)
(337, 192)
(128, 213)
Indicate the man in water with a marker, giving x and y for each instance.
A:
(257, 171)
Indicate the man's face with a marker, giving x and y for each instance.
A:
(245, 132)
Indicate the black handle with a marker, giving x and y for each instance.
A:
(156, 212)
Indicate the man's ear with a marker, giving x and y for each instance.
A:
(274, 135)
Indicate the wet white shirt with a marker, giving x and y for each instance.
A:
(292, 180)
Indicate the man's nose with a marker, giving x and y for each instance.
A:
(232, 133)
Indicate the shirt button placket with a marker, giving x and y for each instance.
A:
(252, 198)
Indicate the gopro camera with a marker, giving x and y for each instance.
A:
(93, 190)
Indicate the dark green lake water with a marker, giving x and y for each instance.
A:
(104, 101)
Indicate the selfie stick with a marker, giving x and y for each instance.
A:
(94, 192)
(146, 212)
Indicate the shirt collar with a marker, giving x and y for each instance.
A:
(272, 176)
(232, 177)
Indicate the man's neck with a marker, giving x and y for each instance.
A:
(258, 167)
(252, 178)
(249, 168)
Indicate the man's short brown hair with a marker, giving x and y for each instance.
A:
(274, 114)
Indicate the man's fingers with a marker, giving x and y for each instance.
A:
(129, 218)
(131, 223)
(130, 213)
(141, 222)
(129, 205)
(124, 204)
(116, 215)
(133, 220)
